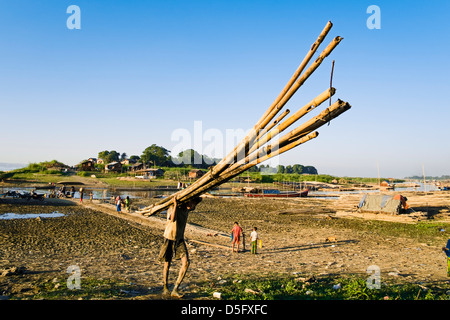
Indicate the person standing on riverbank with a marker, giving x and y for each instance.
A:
(119, 204)
(174, 245)
(237, 234)
(254, 240)
(446, 249)
(81, 194)
(127, 204)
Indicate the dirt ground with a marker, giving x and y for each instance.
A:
(294, 232)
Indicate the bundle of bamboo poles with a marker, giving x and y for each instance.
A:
(259, 144)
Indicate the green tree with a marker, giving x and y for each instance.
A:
(310, 170)
(103, 155)
(297, 168)
(109, 156)
(135, 158)
(190, 157)
(155, 155)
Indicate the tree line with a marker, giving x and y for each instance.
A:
(155, 155)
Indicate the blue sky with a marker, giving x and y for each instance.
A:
(137, 71)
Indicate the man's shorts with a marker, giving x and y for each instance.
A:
(172, 249)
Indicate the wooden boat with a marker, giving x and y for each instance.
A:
(288, 194)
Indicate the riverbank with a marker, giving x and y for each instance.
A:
(116, 253)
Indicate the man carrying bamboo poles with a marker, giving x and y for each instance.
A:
(174, 245)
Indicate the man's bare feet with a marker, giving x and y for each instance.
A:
(166, 292)
(176, 294)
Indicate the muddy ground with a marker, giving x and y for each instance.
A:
(124, 247)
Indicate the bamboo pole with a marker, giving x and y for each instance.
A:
(330, 113)
(302, 79)
(299, 70)
(273, 124)
(291, 140)
(285, 95)
(294, 138)
(317, 122)
(293, 89)
(325, 116)
(279, 102)
(229, 175)
(293, 85)
(325, 53)
(324, 96)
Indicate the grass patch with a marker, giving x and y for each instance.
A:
(90, 288)
(38, 177)
(114, 182)
(429, 232)
(323, 288)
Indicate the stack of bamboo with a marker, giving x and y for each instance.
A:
(255, 147)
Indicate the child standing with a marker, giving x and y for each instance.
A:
(236, 233)
(119, 204)
(127, 204)
(446, 249)
(254, 238)
(81, 194)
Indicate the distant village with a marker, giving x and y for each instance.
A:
(139, 169)
(154, 162)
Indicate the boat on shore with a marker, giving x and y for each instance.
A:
(280, 194)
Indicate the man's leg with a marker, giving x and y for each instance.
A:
(448, 267)
(183, 270)
(166, 278)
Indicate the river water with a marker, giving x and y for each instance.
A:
(10, 215)
(98, 194)
(110, 193)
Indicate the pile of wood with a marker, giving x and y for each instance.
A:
(259, 145)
